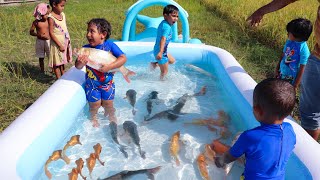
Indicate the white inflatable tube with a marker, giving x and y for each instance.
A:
(27, 143)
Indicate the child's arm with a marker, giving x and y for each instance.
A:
(32, 28)
(53, 37)
(116, 64)
(223, 160)
(162, 43)
(299, 76)
(277, 71)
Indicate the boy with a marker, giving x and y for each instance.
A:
(100, 87)
(42, 32)
(164, 35)
(267, 147)
(295, 52)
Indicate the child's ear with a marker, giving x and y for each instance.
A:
(258, 110)
(104, 35)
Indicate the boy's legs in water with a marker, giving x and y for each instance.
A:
(171, 60)
(109, 110)
(164, 70)
(94, 106)
(41, 64)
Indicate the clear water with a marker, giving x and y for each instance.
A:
(155, 136)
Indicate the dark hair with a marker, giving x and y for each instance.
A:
(300, 28)
(275, 97)
(55, 2)
(102, 25)
(170, 9)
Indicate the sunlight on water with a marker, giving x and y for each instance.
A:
(155, 135)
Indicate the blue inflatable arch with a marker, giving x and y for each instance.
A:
(129, 28)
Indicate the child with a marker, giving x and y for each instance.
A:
(295, 52)
(267, 147)
(40, 24)
(60, 48)
(164, 35)
(100, 88)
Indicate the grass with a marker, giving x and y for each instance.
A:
(215, 22)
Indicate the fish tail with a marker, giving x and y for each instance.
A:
(142, 153)
(47, 172)
(121, 148)
(177, 160)
(134, 111)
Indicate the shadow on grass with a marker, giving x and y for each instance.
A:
(25, 70)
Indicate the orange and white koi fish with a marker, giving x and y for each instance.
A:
(98, 58)
(97, 150)
(79, 164)
(74, 140)
(202, 165)
(175, 147)
(91, 162)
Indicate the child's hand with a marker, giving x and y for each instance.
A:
(83, 59)
(159, 56)
(219, 161)
(61, 48)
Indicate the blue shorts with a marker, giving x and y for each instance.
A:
(163, 60)
(96, 90)
(310, 95)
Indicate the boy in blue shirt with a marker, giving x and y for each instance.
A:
(164, 36)
(100, 87)
(295, 52)
(267, 147)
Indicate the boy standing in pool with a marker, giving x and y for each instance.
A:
(164, 35)
(267, 147)
(100, 87)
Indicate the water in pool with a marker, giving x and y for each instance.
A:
(156, 134)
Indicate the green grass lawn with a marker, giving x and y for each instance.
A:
(215, 22)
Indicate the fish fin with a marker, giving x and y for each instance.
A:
(142, 153)
(177, 161)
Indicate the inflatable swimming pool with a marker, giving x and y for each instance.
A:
(28, 142)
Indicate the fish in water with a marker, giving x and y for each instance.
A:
(175, 112)
(97, 150)
(126, 174)
(153, 96)
(97, 58)
(73, 175)
(74, 140)
(131, 128)
(56, 155)
(114, 134)
(131, 96)
(91, 162)
(79, 164)
(202, 165)
(175, 147)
